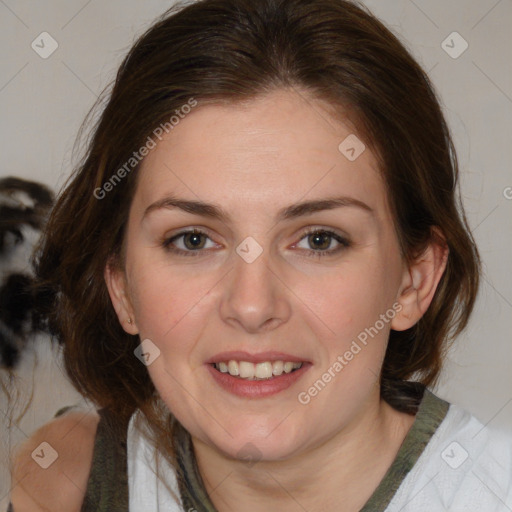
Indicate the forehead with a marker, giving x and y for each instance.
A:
(261, 154)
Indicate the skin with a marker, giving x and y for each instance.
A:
(254, 159)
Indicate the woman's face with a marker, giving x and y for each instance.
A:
(256, 282)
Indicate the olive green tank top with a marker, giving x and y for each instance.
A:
(107, 487)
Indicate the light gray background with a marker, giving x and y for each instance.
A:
(43, 102)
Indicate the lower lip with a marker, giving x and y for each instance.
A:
(257, 388)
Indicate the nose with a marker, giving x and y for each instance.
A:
(255, 298)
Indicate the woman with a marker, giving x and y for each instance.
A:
(255, 273)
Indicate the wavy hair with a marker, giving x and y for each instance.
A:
(231, 51)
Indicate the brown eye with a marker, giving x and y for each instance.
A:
(188, 243)
(320, 240)
(193, 240)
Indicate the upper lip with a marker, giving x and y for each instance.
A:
(261, 357)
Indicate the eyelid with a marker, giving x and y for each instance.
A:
(186, 230)
(343, 241)
(168, 240)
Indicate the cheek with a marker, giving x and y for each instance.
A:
(169, 305)
(172, 310)
(348, 300)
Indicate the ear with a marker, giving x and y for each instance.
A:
(419, 282)
(115, 279)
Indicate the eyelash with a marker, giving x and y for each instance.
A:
(344, 243)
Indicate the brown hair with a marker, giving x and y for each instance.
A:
(235, 50)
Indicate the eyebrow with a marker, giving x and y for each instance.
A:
(293, 211)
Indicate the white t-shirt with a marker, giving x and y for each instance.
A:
(465, 467)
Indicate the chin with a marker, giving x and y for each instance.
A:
(254, 442)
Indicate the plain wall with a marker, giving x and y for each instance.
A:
(43, 102)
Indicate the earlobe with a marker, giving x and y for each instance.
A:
(117, 289)
(420, 281)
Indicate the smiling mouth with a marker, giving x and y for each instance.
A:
(260, 371)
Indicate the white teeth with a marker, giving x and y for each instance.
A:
(263, 370)
(277, 367)
(288, 367)
(246, 370)
(250, 371)
(233, 368)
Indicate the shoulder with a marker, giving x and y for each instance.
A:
(465, 464)
(51, 468)
(464, 444)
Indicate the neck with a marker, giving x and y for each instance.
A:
(345, 469)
